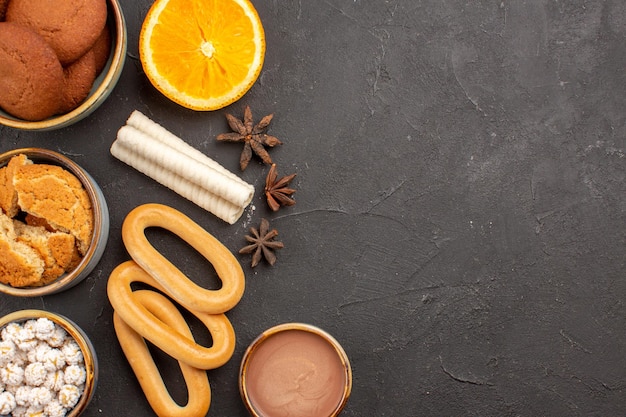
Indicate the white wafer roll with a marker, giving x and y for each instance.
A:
(173, 160)
(151, 128)
(197, 182)
(193, 192)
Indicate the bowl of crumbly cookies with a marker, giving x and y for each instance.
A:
(48, 365)
(59, 61)
(54, 222)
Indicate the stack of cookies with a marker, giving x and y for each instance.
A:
(51, 52)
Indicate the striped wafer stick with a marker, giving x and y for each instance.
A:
(171, 159)
(183, 169)
(143, 123)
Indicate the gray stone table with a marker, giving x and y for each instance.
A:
(461, 204)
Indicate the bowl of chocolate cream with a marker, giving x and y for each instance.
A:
(295, 369)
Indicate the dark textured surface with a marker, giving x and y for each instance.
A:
(460, 213)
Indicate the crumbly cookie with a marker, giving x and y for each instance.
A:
(57, 249)
(31, 76)
(70, 26)
(102, 49)
(79, 78)
(20, 265)
(31, 220)
(8, 195)
(52, 193)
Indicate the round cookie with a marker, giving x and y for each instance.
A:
(31, 76)
(3, 9)
(70, 26)
(79, 78)
(102, 49)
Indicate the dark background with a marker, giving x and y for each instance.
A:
(459, 224)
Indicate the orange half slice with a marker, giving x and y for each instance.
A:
(202, 54)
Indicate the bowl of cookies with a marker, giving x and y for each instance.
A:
(48, 366)
(54, 222)
(59, 61)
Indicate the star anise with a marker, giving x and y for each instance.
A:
(262, 243)
(277, 192)
(253, 136)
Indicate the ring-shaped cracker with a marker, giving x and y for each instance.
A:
(151, 321)
(147, 373)
(175, 283)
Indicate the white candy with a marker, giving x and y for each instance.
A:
(30, 325)
(9, 332)
(55, 409)
(40, 397)
(7, 352)
(35, 374)
(44, 328)
(74, 375)
(54, 359)
(57, 338)
(22, 395)
(7, 403)
(12, 374)
(71, 351)
(69, 395)
(38, 354)
(55, 380)
(25, 339)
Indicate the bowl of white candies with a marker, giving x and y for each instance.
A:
(48, 366)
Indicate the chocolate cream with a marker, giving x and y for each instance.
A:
(295, 373)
